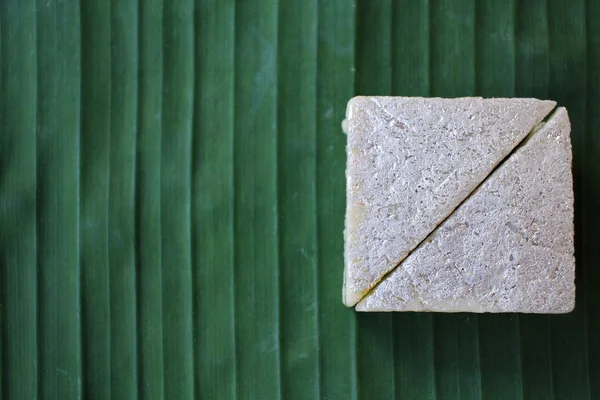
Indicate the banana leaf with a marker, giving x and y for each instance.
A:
(172, 197)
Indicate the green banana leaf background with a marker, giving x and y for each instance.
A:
(172, 197)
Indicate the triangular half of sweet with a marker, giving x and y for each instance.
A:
(411, 162)
(507, 248)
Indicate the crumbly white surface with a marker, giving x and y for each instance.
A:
(411, 162)
(507, 248)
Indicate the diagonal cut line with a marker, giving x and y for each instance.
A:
(536, 128)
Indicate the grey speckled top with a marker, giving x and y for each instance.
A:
(507, 248)
(411, 162)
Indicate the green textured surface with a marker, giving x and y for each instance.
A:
(172, 197)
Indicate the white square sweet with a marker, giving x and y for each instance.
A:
(439, 219)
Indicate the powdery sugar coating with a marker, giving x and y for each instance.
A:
(411, 162)
(507, 248)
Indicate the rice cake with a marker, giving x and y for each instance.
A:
(411, 162)
(507, 248)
